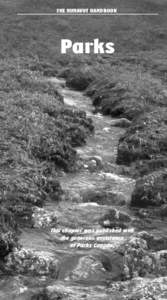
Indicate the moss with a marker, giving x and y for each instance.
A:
(151, 190)
(145, 139)
(7, 242)
(78, 78)
(38, 134)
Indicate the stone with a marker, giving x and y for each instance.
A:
(140, 261)
(115, 219)
(163, 211)
(88, 268)
(140, 288)
(116, 198)
(42, 218)
(96, 196)
(92, 165)
(115, 177)
(154, 242)
(98, 267)
(98, 159)
(122, 122)
(25, 261)
(106, 129)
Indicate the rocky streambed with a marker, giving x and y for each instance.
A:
(90, 245)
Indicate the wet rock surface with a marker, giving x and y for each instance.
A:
(115, 219)
(123, 122)
(89, 268)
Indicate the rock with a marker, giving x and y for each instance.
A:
(97, 196)
(92, 165)
(7, 242)
(98, 267)
(98, 159)
(140, 261)
(115, 219)
(52, 188)
(105, 197)
(115, 177)
(23, 261)
(7, 219)
(106, 129)
(145, 167)
(43, 295)
(88, 268)
(88, 204)
(155, 243)
(122, 122)
(116, 198)
(143, 213)
(43, 219)
(134, 252)
(140, 288)
(73, 196)
(151, 190)
(71, 291)
(163, 211)
(49, 293)
(160, 261)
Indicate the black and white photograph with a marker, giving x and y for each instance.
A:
(83, 150)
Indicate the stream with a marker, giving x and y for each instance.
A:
(91, 193)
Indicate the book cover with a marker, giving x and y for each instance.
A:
(83, 149)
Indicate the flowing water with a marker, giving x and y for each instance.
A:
(90, 194)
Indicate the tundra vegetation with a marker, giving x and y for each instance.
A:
(39, 133)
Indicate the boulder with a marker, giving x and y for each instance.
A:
(141, 261)
(97, 196)
(98, 159)
(116, 198)
(92, 165)
(154, 242)
(122, 122)
(73, 196)
(24, 261)
(99, 267)
(88, 268)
